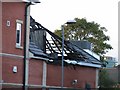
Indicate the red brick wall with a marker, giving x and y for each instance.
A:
(11, 11)
(7, 74)
(0, 27)
(53, 75)
(35, 71)
(82, 74)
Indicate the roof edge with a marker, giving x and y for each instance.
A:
(84, 64)
(19, 1)
(12, 1)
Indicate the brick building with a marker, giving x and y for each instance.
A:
(32, 61)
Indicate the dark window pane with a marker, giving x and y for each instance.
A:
(18, 36)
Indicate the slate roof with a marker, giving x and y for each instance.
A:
(40, 46)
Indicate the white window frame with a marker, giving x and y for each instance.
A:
(18, 29)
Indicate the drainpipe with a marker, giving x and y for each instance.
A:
(25, 45)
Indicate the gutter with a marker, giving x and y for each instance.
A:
(89, 64)
(83, 64)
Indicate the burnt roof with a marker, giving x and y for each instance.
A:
(40, 46)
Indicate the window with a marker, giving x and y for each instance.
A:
(18, 32)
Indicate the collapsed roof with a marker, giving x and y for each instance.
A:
(51, 49)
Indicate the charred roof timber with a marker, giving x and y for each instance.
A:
(32, 1)
(40, 46)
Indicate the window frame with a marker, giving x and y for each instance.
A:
(19, 36)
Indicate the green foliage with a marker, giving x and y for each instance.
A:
(91, 31)
(104, 79)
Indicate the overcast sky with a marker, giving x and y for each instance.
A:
(53, 13)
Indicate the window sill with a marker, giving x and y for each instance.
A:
(19, 47)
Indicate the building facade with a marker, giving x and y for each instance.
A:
(23, 64)
(12, 43)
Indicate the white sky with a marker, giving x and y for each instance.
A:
(53, 13)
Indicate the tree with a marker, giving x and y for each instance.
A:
(90, 31)
(104, 80)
